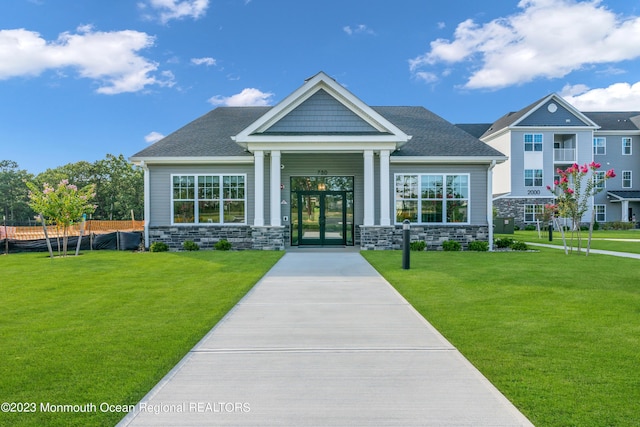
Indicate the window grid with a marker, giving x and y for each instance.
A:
(533, 212)
(626, 146)
(599, 146)
(601, 213)
(532, 142)
(626, 179)
(433, 203)
(533, 178)
(598, 179)
(209, 202)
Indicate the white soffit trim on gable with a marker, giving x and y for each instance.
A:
(192, 160)
(448, 159)
(341, 94)
(557, 98)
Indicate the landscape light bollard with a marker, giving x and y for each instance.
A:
(405, 244)
(551, 231)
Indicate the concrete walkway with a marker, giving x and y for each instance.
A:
(591, 251)
(324, 340)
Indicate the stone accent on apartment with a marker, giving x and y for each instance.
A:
(514, 208)
(206, 237)
(268, 238)
(390, 237)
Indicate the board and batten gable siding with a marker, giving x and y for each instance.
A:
(351, 164)
(161, 187)
(477, 183)
(543, 117)
(321, 113)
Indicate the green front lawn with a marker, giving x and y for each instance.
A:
(558, 335)
(107, 326)
(610, 240)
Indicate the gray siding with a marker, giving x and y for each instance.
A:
(477, 180)
(543, 117)
(161, 187)
(321, 113)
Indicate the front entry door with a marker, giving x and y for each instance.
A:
(322, 217)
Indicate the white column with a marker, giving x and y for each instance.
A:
(369, 194)
(490, 203)
(384, 188)
(625, 211)
(147, 203)
(258, 198)
(275, 188)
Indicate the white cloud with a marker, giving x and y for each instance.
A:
(110, 58)
(167, 10)
(426, 77)
(617, 97)
(358, 29)
(203, 61)
(153, 137)
(547, 38)
(249, 97)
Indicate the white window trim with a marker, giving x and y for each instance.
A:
(604, 208)
(444, 209)
(535, 208)
(630, 179)
(533, 143)
(604, 146)
(534, 178)
(195, 207)
(603, 181)
(630, 146)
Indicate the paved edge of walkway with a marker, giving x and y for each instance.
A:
(595, 251)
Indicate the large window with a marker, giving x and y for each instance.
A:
(208, 199)
(626, 146)
(626, 179)
(532, 142)
(533, 177)
(432, 198)
(599, 145)
(533, 212)
(601, 213)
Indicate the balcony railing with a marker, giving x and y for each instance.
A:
(564, 154)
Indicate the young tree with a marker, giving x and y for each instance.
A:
(62, 205)
(577, 184)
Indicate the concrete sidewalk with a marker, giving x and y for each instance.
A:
(591, 251)
(324, 340)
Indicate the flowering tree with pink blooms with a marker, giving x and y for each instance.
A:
(577, 184)
(63, 205)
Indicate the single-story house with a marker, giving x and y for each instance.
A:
(321, 168)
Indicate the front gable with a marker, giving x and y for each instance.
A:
(553, 111)
(321, 113)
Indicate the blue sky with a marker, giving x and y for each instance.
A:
(80, 79)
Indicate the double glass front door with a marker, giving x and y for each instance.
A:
(321, 217)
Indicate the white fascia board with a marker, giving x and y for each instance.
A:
(563, 129)
(448, 159)
(320, 81)
(323, 145)
(557, 98)
(604, 132)
(192, 160)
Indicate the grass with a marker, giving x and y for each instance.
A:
(107, 326)
(599, 241)
(558, 335)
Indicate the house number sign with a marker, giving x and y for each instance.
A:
(322, 172)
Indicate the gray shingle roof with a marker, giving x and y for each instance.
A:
(210, 135)
(626, 195)
(616, 120)
(475, 129)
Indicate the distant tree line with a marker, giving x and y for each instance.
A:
(119, 188)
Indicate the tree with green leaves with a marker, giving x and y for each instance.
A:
(14, 192)
(63, 205)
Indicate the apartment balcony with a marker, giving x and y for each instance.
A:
(564, 155)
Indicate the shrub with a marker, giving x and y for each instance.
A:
(530, 227)
(418, 245)
(451, 246)
(190, 245)
(222, 245)
(479, 246)
(519, 246)
(503, 242)
(596, 226)
(158, 247)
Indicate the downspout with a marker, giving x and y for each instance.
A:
(490, 202)
(147, 204)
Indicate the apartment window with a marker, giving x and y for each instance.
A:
(533, 177)
(601, 213)
(598, 179)
(532, 142)
(626, 179)
(599, 146)
(208, 199)
(432, 198)
(626, 146)
(533, 212)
